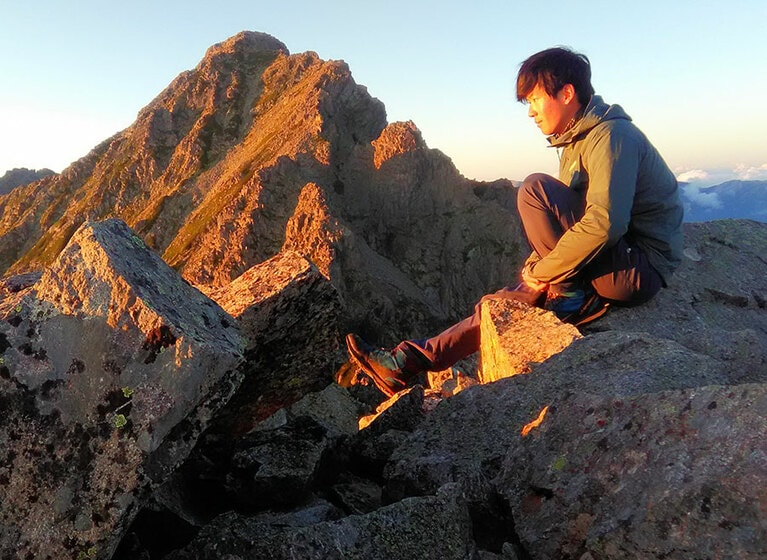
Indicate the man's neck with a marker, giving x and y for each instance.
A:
(574, 119)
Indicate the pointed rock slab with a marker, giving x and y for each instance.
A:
(679, 474)
(289, 314)
(516, 335)
(111, 367)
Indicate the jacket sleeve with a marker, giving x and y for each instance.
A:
(610, 159)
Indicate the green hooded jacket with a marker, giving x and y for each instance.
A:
(630, 191)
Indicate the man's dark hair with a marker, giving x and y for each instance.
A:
(553, 68)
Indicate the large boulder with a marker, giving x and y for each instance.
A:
(715, 303)
(111, 367)
(289, 314)
(676, 474)
(467, 436)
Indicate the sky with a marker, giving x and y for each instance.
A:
(691, 74)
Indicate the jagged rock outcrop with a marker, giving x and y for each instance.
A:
(257, 150)
(21, 176)
(111, 367)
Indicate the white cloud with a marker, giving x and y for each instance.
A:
(693, 175)
(751, 173)
(695, 195)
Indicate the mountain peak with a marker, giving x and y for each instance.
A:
(247, 43)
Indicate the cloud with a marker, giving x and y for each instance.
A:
(693, 181)
(751, 173)
(693, 175)
(704, 199)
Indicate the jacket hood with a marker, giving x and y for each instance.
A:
(596, 111)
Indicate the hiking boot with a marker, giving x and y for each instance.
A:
(564, 303)
(384, 367)
(577, 309)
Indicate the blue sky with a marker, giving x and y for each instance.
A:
(690, 73)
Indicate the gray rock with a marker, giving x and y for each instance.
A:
(357, 495)
(433, 527)
(468, 435)
(277, 468)
(111, 367)
(289, 314)
(385, 430)
(276, 465)
(715, 304)
(677, 474)
(332, 408)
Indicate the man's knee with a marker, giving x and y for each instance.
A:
(534, 184)
(532, 191)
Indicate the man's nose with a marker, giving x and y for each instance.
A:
(530, 111)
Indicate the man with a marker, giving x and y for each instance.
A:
(609, 230)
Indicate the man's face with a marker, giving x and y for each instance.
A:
(551, 114)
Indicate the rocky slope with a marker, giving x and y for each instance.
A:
(641, 437)
(147, 418)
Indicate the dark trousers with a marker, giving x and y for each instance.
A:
(547, 207)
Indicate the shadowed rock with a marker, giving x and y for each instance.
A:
(435, 527)
(289, 314)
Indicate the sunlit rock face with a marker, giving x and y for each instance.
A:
(516, 336)
(112, 365)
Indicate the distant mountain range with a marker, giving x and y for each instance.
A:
(731, 199)
(21, 176)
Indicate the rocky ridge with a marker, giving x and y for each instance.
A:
(133, 401)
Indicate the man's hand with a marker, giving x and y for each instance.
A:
(532, 283)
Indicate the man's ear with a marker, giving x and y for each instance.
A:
(568, 93)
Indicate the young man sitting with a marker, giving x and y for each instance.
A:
(609, 230)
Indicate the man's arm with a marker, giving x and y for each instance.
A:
(612, 163)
